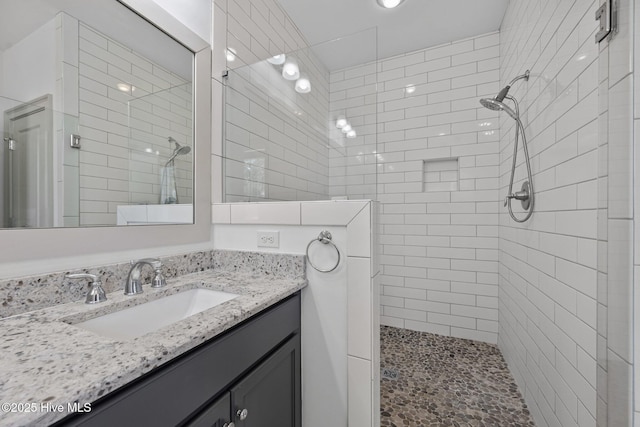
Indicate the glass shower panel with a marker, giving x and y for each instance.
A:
(281, 141)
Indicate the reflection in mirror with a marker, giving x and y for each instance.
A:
(97, 124)
(281, 141)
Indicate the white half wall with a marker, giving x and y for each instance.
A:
(340, 309)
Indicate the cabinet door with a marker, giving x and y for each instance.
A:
(269, 395)
(215, 415)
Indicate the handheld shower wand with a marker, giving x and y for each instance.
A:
(525, 195)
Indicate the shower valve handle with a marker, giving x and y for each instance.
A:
(518, 195)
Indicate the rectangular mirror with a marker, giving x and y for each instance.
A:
(97, 117)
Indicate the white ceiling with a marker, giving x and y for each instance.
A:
(415, 24)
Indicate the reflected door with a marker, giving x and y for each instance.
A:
(28, 165)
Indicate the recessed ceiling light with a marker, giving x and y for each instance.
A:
(389, 4)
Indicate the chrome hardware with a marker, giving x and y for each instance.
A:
(526, 195)
(242, 414)
(607, 15)
(133, 286)
(523, 195)
(96, 293)
(325, 238)
(74, 141)
(11, 143)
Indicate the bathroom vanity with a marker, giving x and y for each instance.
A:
(250, 374)
(237, 363)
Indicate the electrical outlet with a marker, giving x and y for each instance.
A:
(268, 239)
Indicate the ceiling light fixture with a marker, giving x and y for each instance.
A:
(303, 85)
(277, 59)
(389, 4)
(290, 70)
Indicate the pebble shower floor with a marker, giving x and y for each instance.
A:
(430, 380)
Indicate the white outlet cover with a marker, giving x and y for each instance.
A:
(268, 239)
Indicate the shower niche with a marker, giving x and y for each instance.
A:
(441, 175)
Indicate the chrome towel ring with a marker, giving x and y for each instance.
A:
(325, 238)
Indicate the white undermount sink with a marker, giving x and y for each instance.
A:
(141, 319)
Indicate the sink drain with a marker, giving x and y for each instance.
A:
(390, 374)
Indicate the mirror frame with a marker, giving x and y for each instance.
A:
(33, 244)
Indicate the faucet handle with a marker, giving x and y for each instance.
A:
(96, 293)
(159, 281)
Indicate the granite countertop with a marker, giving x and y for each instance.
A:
(47, 362)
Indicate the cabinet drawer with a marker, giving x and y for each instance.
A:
(171, 393)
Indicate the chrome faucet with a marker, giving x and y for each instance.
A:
(133, 286)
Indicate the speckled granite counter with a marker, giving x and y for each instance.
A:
(47, 361)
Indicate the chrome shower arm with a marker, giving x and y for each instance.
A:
(520, 77)
(505, 90)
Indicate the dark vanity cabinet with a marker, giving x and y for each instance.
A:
(265, 397)
(247, 377)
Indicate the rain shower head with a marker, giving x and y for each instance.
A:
(495, 105)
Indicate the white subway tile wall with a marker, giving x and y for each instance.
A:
(125, 131)
(436, 156)
(548, 265)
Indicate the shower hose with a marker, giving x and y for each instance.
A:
(510, 196)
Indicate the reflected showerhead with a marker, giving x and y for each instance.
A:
(180, 150)
(495, 105)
